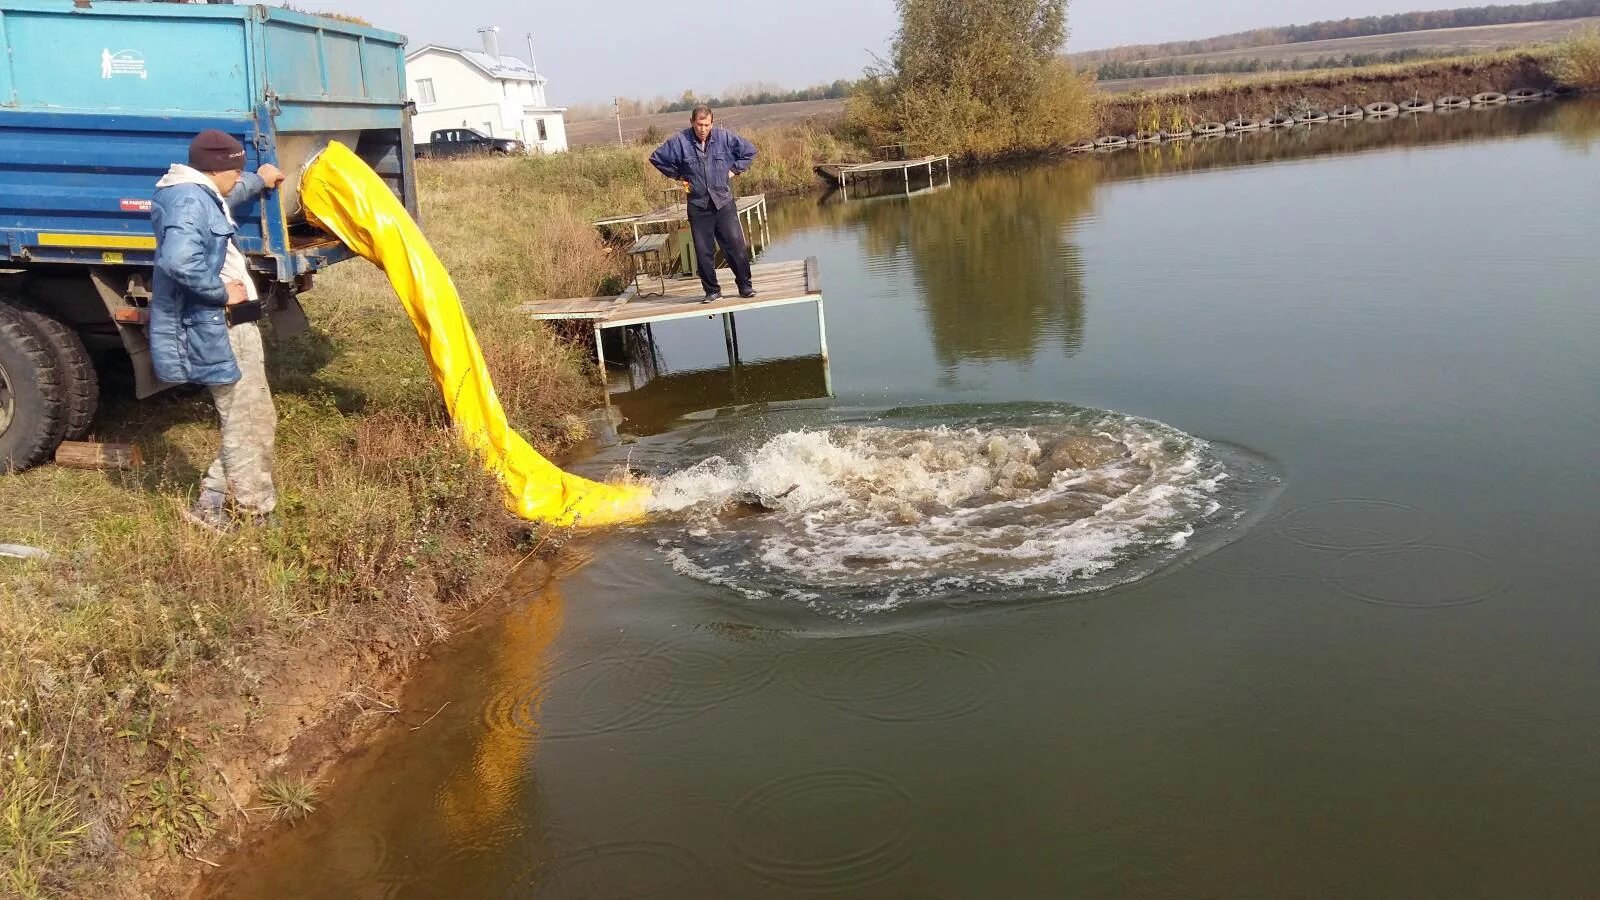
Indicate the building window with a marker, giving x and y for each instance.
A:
(425, 90)
(543, 135)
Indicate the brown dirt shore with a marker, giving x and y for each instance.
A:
(319, 701)
(1219, 101)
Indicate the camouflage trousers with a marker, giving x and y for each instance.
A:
(249, 428)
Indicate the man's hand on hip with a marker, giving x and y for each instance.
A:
(237, 293)
(271, 175)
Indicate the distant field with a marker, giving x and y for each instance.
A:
(604, 131)
(1466, 40)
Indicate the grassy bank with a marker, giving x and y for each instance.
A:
(154, 679)
(1285, 93)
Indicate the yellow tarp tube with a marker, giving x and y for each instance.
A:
(346, 197)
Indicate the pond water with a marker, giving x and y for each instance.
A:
(1211, 521)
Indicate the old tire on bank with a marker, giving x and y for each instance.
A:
(30, 395)
(80, 383)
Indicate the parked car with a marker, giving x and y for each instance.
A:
(466, 142)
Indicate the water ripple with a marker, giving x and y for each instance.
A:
(1355, 524)
(900, 678)
(1420, 577)
(623, 692)
(639, 870)
(828, 830)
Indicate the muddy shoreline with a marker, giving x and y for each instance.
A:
(321, 703)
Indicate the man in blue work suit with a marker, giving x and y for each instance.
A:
(203, 306)
(704, 157)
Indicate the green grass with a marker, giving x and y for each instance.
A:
(288, 799)
(40, 826)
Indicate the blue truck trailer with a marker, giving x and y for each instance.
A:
(97, 99)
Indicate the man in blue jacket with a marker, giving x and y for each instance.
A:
(203, 307)
(705, 158)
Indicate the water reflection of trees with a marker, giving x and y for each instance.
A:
(998, 270)
(992, 256)
(658, 403)
(1577, 124)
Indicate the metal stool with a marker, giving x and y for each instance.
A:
(647, 258)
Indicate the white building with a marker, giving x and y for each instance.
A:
(501, 96)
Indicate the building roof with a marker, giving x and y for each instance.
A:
(508, 68)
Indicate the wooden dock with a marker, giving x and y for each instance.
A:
(842, 173)
(777, 284)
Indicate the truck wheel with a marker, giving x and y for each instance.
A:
(30, 395)
(80, 383)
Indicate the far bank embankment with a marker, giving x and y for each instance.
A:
(1220, 100)
(1129, 104)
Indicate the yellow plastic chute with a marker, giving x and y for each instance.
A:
(346, 197)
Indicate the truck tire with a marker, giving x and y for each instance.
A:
(75, 372)
(30, 395)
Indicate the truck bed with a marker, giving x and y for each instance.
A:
(97, 100)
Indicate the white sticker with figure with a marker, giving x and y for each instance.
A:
(122, 62)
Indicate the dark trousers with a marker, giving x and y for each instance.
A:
(719, 226)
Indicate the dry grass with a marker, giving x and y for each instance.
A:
(1576, 62)
(384, 527)
(1220, 85)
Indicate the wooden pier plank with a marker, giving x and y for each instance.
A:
(776, 284)
(572, 307)
(838, 172)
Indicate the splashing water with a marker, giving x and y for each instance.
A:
(1066, 502)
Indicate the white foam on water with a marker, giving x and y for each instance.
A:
(888, 515)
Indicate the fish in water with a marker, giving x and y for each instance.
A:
(751, 503)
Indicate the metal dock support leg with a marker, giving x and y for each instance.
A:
(600, 352)
(822, 341)
(727, 337)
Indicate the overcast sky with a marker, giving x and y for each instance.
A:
(592, 50)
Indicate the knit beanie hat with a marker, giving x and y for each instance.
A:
(216, 151)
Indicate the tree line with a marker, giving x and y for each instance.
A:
(837, 90)
(755, 96)
(1348, 28)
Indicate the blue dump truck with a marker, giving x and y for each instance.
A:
(97, 99)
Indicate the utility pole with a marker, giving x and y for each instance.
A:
(616, 107)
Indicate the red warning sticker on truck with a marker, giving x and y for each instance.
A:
(135, 205)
